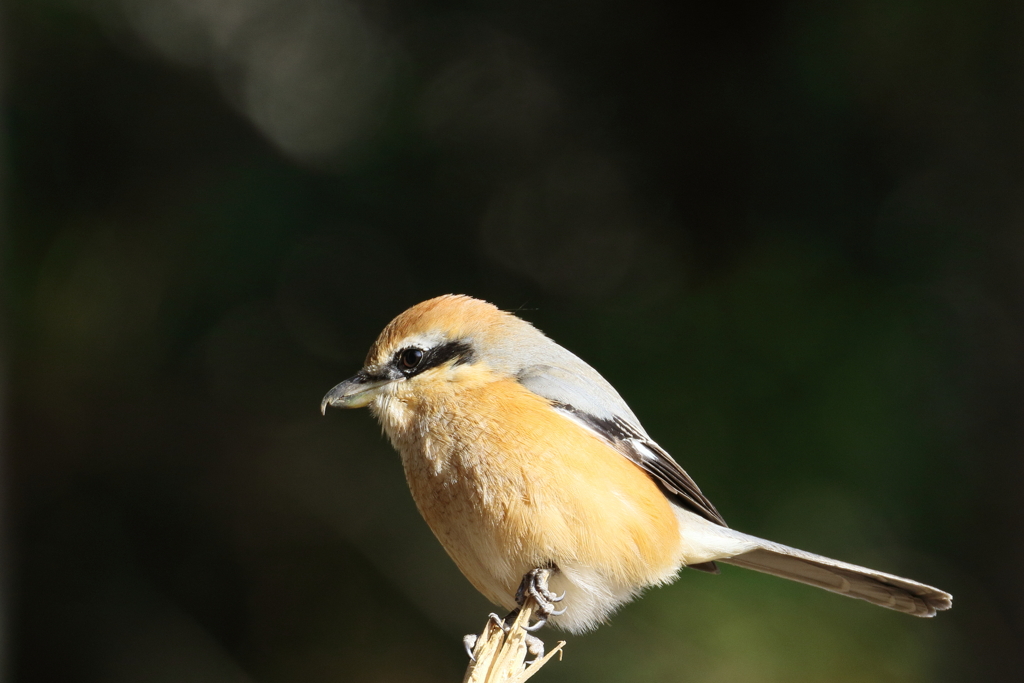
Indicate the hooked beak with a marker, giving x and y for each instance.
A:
(355, 392)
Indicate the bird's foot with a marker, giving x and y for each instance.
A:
(535, 646)
(506, 623)
(469, 641)
(535, 585)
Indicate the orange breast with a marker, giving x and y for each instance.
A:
(508, 484)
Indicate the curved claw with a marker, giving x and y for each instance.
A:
(557, 599)
(504, 624)
(469, 642)
(536, 627)
(558, 612)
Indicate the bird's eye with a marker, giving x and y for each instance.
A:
(410, 358)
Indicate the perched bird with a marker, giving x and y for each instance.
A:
(538, 479)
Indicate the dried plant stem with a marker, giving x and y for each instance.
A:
(501, 657)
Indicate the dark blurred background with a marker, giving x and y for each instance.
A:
(791, 234)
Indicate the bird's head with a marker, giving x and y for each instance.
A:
(438, 340)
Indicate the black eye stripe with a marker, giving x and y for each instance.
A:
(459, 351)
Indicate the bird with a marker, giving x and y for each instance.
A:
(539, 481)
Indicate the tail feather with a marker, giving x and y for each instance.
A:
(704, 543)
(876, 587)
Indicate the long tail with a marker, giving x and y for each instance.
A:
(708, 541)
(879, 588)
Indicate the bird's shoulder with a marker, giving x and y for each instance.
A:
(590, 401)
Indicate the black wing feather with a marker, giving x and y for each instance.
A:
(652, 458)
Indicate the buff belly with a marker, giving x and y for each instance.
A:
(505, 502)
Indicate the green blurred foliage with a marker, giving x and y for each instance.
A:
(790, 233)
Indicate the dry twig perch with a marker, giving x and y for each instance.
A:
(500, 657)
